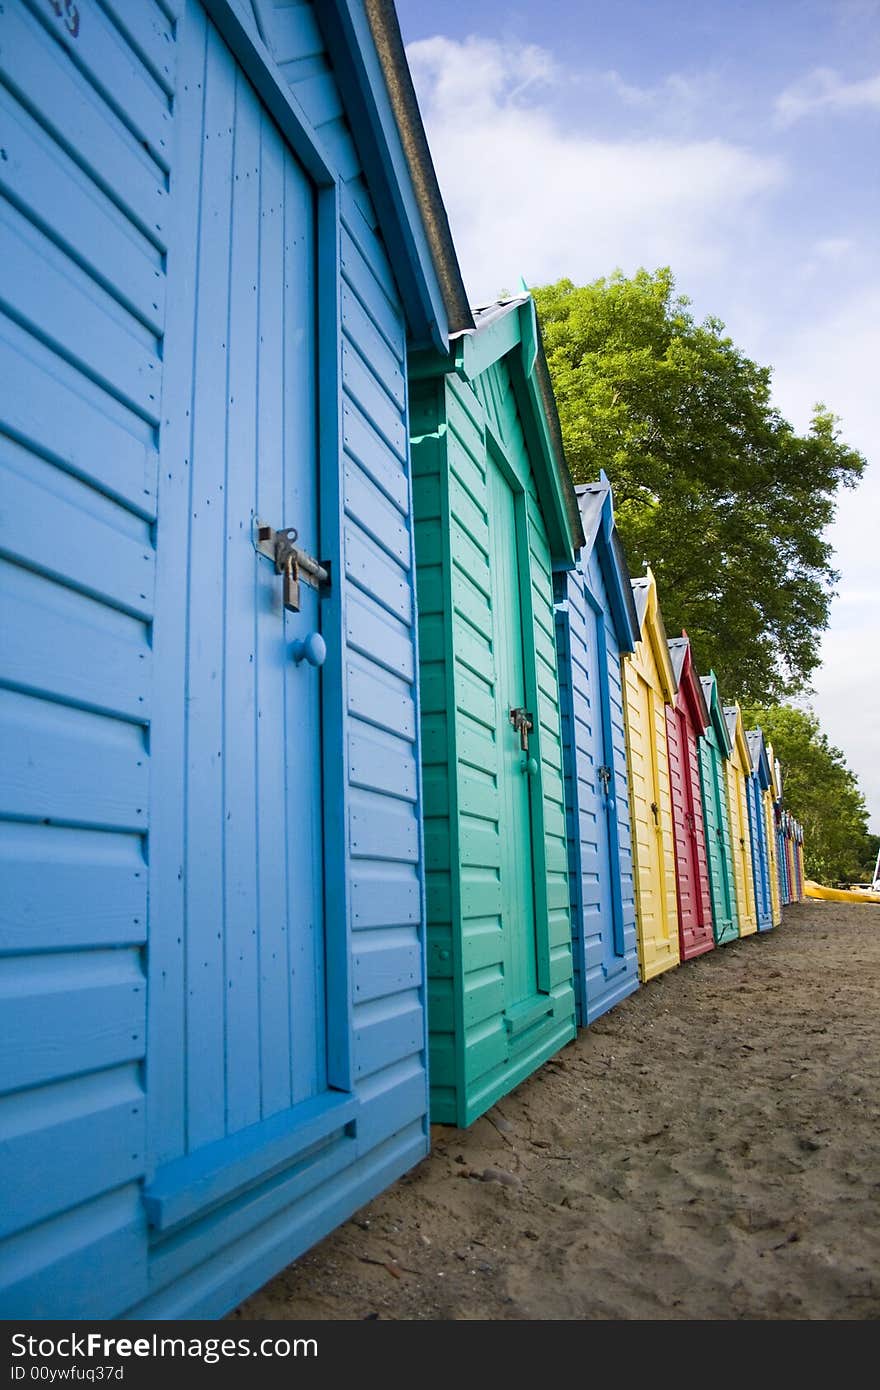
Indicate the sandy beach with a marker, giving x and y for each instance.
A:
(710, 1149)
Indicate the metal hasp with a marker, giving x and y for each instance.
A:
(280, 547)
(604, 775)
(523, 722)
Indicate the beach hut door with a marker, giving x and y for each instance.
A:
(238, 1059)
(518, 778)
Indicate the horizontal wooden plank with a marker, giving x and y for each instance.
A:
(149, 33)
(375, 455)
(47, 1132)
(64, 203)
(387, 1030)
(375, 515)
(391, 1101)
(62, 306)
(361, 328)
(61, 1015)
(377, 573)
(118, 77)
(478, 842)
(484, 993)
(81, 432)
(48, 629)
(42, 75)
(382, 827)
(58, 1269)
(378, 698)
(365, 266)
(385, 963)
(69, 766)
(377, 761)
(372, 630)
(369, 394)
(383, 895)
(438, 896)
(63, 888)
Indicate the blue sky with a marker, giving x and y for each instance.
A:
(737, 141)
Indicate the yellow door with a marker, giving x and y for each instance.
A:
(739, 843)
(651, 810)
(770, 823)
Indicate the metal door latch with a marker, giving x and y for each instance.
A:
(655, 811)
(604, 775)
(523, 722)
(280, 547)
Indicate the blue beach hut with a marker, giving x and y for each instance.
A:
(221, 235)
(595, 622)
(757, 782)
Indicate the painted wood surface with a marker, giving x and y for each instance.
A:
(499, 951)
(714, 748)
(686, 721)
(769, 797)
(648, 687)
(590, 631)
(758, 784)
(198, 294)
(737, 769)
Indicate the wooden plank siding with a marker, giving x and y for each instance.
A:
(99, 192)
(737, 770)
(473, 1058)
(605, 950)
(646, 693)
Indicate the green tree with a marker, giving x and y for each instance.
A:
(713, 488)
(820, 791)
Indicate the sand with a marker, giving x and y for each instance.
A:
(710, 1149)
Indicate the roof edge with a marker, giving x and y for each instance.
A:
(385, 29)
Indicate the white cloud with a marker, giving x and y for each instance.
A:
(530, 195)
(834, 248)
(825, 90)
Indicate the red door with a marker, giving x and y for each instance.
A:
(691, 863)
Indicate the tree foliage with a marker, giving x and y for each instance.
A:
(820, 791)
(713, 488)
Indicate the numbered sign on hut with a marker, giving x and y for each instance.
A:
(759, 783)
(686, 722)
(212, 1040)
(649, 686)
(738, 772)
(495, 511)
(595, 622)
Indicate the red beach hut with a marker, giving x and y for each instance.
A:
(686, 721)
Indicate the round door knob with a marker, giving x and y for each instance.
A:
(312, 649)
(530, 766)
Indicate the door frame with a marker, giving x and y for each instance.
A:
(522, 538)
(255, 61)
(253, 57)
(164, 1045)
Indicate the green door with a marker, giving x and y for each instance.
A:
(514, 779)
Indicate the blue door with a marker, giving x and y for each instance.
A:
(237, 1019)
(605, 962)
(760, 858)
(603, 911)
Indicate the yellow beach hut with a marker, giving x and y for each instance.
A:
(767, 797)
(738, 765)
(648, 686)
